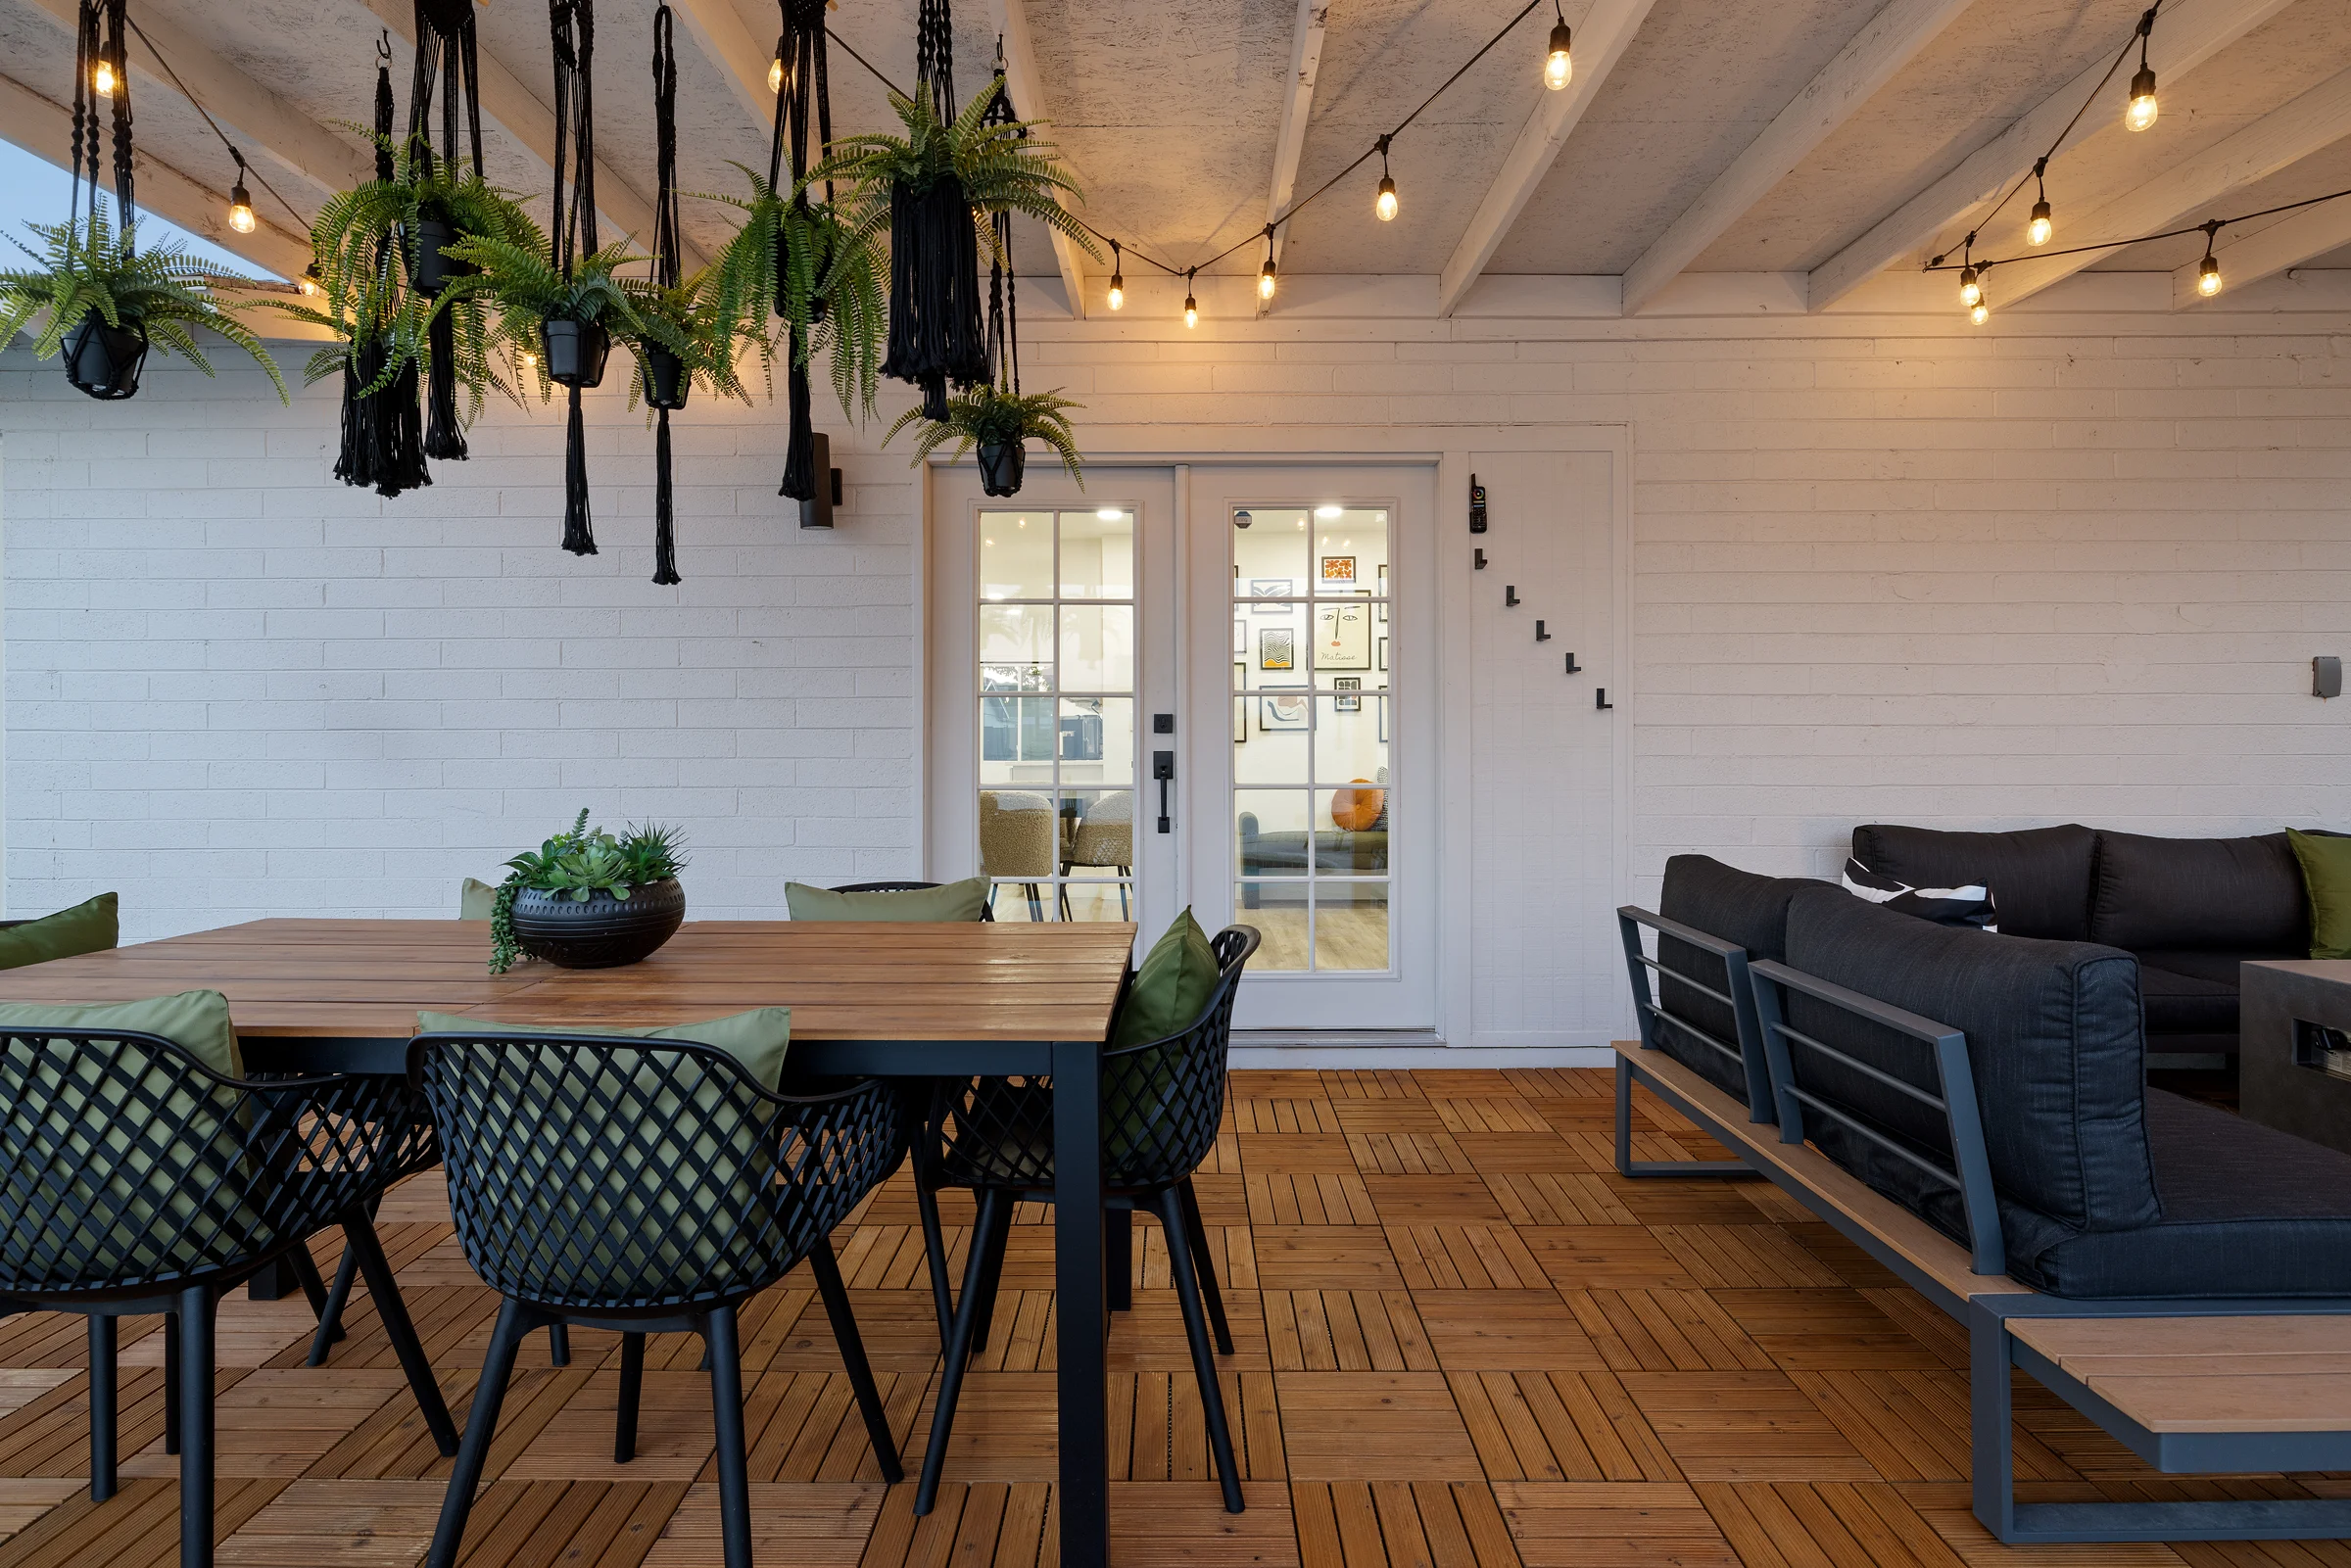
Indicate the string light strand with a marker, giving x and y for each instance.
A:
(243, 168)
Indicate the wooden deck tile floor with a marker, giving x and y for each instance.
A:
(1462, 1342)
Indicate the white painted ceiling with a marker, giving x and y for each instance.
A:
(1170, 113)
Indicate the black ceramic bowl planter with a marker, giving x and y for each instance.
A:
(430, 266)
(603, 931)
(105, 361)
(666, 379)
(576, 351)
(1001, 465)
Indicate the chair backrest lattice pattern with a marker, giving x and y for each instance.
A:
(124, 1162)
(1162, 1101)
(624, 1173)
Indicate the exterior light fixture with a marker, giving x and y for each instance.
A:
(1385, 203)
(1559, 65)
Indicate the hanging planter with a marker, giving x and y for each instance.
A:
(575, 350)
(665, 378)
(431, 267)
(1002, 464)
(999, 424)
(103, 361)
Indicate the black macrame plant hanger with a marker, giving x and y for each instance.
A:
(1004, 302)
(666, 273)
(447, 64)
(383, 434)
(934, 331)
(805, 81)
(571, 24)
(102, 360)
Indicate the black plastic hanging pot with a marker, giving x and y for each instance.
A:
(1001, 465)
(666, 379)
(105, 361)
(576, 351)
(431, 268)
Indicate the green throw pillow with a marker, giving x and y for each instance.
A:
(757, 1038)
(86, 928)
(195, 1020)
(1177, 977)
(964, 900)
(2326, 879)
(475, 899)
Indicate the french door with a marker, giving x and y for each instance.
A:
(1202, 684)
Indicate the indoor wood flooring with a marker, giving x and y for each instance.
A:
(1462, 1343)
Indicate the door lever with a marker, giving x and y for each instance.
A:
(1162, 769)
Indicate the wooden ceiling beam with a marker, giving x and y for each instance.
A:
(1887, 42)
(1027, 86)
(2285, 245)
(2186, 35)
(531, 124)
(1608, 26)
(2279, 139)
(45, 129)
(1297, 110)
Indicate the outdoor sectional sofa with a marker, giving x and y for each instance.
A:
(1972, 1108)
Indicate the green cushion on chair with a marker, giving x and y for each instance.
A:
(1177, 977)
(476, 899)
(89, 927)
(964, 900)
(757, 1039)
(195, 1020)
(2326, 881)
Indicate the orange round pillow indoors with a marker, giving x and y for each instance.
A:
(1356, 809)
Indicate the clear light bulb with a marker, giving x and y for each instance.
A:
(1385, 205)
(309, 281)
(775, 74)
(1978, 312)
(1191, 312)
(1117, 292)
(240, 210)
(1265, 281)
(2038, 232)
(1559, 66)
(102, 78)
(2143, 110)
(1970, 291)
(2208, 275)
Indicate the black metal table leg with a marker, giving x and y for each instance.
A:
(1081, 1302)
(1117, 1259)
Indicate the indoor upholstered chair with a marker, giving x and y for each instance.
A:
(1104, 837)
(1019, 840)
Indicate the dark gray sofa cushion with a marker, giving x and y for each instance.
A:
(2184, 1004)
(2240, 894)
(2247, 1211)
(2054, 1038)
(1739, 907)
(2039, 878)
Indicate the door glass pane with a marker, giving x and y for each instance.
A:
(1057, 713)
(1311, 633)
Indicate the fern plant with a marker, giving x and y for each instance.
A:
(1004, 168)
(87, 269)
(685, 321)
(797, 260)
(987, 417)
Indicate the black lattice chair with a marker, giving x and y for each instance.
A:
(135, 1179)
(1161, 1104)
(646, 1185)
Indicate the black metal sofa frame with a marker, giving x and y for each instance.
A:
(2009, 1324)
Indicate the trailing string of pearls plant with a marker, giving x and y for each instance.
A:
(2140, 111)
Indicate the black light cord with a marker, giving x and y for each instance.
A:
(243, 168)
(2208, 228)
(1379, 146)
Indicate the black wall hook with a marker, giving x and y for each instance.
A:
(1573, 668)
(1541, 635)
(1600, 699)
(1509, 596)
(1478, 560)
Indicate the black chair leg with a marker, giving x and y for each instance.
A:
(1036, 905)
(1204, 1363)
(1195, 1236)
(934, 1248)
(306, 1275)
(852, 1356)
(999, 1240)
(1118, 1260)
(170, 1382)
(959, 1348)
(726, 1408)
(497, 1365)
(102, 1407)
(358, 1235)
(196, 1427)
(632, 1387)
(558, 1344)
(330, 1316)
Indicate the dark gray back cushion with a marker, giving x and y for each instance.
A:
(2052, 1036)
(2039, 878)
(2239, 893)
(1740, 907)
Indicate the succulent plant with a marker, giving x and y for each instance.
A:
(580, 863)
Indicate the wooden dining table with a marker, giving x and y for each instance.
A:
(888, 1000)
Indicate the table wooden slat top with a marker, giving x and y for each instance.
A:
(845, 980)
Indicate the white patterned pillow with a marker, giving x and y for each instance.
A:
(1971, 905)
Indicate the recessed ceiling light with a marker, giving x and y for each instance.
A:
(1330, 511)
(1108, 515)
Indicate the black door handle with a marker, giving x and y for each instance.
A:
(1162, 769)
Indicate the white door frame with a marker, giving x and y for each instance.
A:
(1448, 447)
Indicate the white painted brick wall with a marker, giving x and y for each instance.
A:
(2071, 567)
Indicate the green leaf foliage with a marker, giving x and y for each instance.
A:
(86, 267)
(579, 863)
(986, 416)
(833, 290)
